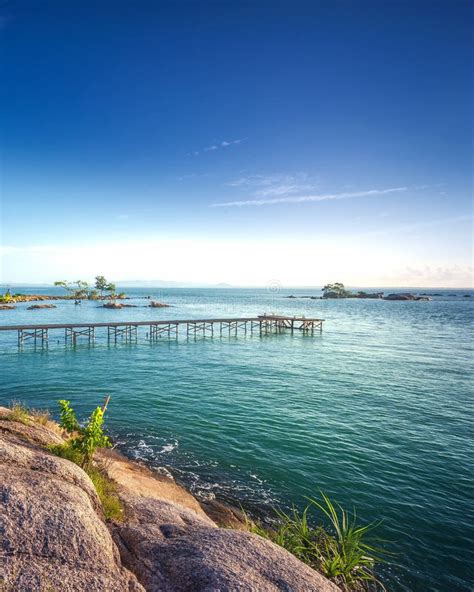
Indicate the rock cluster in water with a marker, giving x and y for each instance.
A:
(367, 295)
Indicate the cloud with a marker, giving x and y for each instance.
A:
(218, 146)
(308, 198)
(275, 185)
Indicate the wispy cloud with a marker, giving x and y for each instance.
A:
(218, 146)
(308, 198)
(275, 185)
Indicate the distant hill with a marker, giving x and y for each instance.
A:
(167, 284)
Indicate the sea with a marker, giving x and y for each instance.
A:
(376, 411)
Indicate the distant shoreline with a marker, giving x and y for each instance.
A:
(282, 287)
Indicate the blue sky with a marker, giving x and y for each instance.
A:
(298, 142)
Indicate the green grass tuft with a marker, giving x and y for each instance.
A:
(66, 451)
(342, 550)
(107, 492)
(105, 487)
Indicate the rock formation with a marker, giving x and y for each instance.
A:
(54, 537)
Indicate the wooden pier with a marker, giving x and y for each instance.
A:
(128, 330)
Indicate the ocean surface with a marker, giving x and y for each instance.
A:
(377, 411)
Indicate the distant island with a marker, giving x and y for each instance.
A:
(77, 291)
(338, 291)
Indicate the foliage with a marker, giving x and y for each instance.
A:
(89, 437)
(92, 436)
(101, 284)
(68, 419)
(19, 412)
(341, 550)
(107, 492)
(64, 284)
(82, 289)
(68, 452)
(7, 297)
(104, 285)
(336, 290)
(105, 487)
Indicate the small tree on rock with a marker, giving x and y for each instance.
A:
(336, 290)
(101, 284)
(64, 284)
(86, 439)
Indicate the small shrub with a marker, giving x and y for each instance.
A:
(68, 419)
(87, 438)
(342, 550)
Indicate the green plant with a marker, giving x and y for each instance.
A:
(107, 492)
(68, 419)
(341, 550)
(66, 285)
(68, 452)
(105, 487)
(82, 289)
(86, 439)
(336, 290)
(7, 297)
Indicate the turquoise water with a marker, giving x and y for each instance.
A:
(376, 411)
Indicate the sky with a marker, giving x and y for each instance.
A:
(253, 143)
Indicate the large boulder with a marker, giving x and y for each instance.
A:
(52, 534)
(173, 549)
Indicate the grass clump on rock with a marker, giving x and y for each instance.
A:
(342, 551)
(22, 414)
(105, 487)
(19, 412)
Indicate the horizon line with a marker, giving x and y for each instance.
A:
(225, 285)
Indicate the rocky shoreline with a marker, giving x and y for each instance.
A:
(14, 298)
(56, 537)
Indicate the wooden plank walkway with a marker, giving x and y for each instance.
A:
(128, 330)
